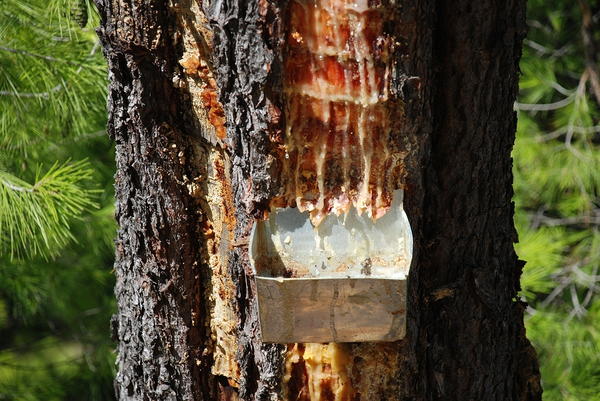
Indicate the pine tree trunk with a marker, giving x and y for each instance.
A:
(194, 103)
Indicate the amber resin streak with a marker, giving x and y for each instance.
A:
(337, 73)
(318, 372)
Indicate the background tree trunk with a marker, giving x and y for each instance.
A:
(187, 323)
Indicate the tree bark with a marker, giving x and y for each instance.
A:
(195, 106)
(160, 323)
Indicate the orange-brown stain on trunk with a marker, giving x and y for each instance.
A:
(196, 67)
(226, 195)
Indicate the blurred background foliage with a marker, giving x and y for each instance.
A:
(557, 193)
(56, 204)
(56, 200)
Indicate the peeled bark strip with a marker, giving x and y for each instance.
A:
(207, 118)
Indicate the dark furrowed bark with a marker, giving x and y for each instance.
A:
(471, 343)
(161, 316)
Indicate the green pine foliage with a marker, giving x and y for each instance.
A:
(52, 90)
(557, 185)
(56, 205)
(34, 219)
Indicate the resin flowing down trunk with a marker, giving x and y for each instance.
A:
(337, 73)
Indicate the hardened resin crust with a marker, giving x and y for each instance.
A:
(337, 65)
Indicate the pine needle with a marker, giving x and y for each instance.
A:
(35, 218)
